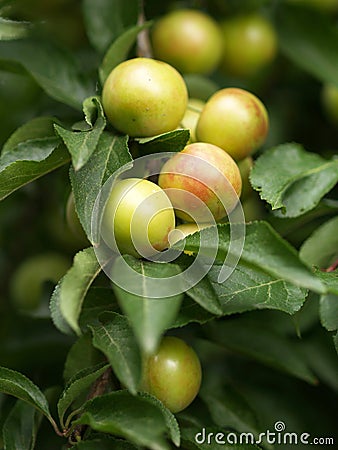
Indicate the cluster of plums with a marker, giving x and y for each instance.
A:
(145, 97)
(199, 185)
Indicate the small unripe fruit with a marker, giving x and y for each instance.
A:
(173, 374)
(191, 116)
(188, 39)
(250, 43)
(26, 286)
(144, 97)
(137, 218)
(235, 120)
(202, 181)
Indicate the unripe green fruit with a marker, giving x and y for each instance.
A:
(188, 39)
(201, 175)
(250, 43)
(191, 116)
(26, 285)
(137, 218)
(144, 97)
(330, 102)
(235, 120)
(173, 374)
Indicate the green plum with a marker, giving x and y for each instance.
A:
(201, 177)
(188, 39)
(137, 218)
(26, 284)
(144, 97)
(173, 374)
(250, 43)
(235, 120)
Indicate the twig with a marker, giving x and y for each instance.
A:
(143, 41)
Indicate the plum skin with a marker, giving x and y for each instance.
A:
(173, 374)
(210, 174)
(235, 120)
(137, 210)
(250, 43)
(188, 39)
(144, 97)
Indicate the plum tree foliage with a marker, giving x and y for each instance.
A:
(168, 222)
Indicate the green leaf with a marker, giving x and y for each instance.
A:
(321, 248)
(52, 68)
(170, 419)
(92, 109)
(32, 151)
(149, 317)
(251, 288)
(81, 144)
(98, 300)
(119, 50)
(36, 150)
(264, 250)
(325, 362)
(204, 294)
(310, 40)
(105, 20)
(122, 414)
(229, 409)
(78, 384)
(111, 154)
(39, 127)
(173, 141)
(330, 280)
(21, 426)
(56, 315)
(18, 385)
(261, 344)
(191, 312)
(12, 29)
(69, 295)
(114, 337)
(82, 355)
(328, 311)
(107, 443)
(300, 178)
